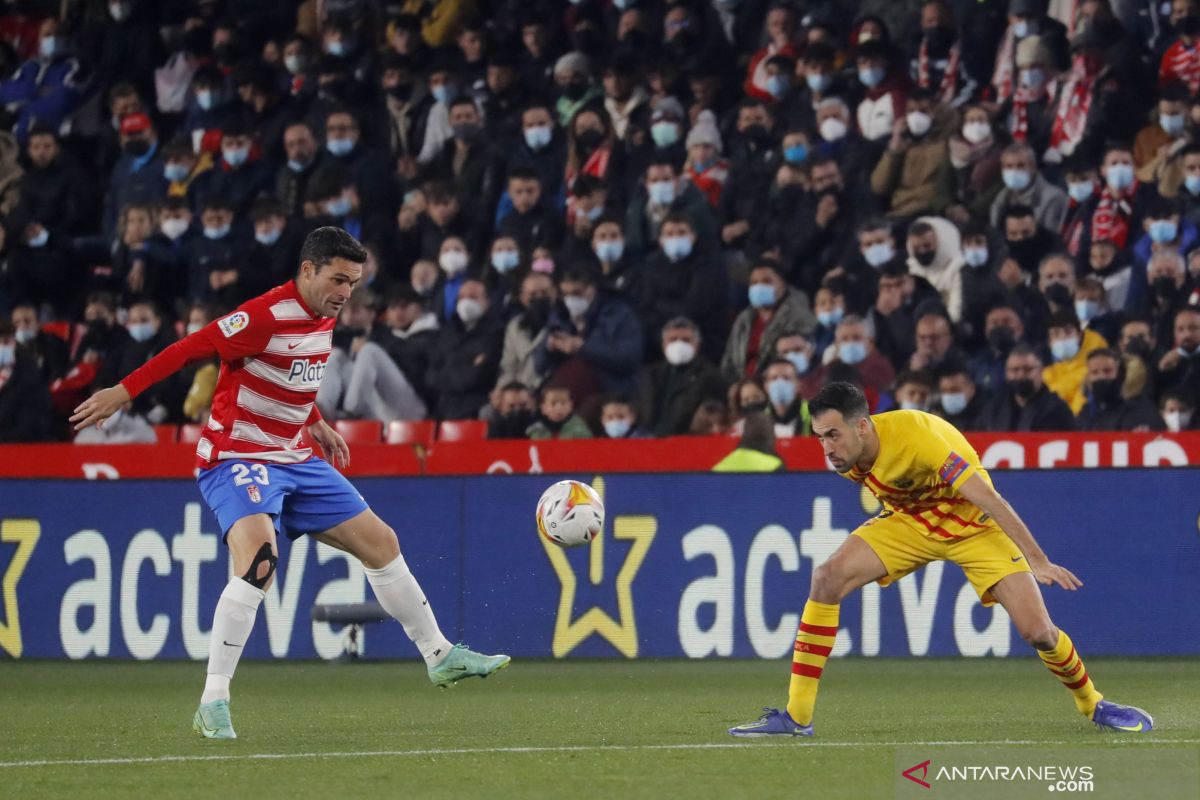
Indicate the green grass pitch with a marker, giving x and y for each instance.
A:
(539, 729)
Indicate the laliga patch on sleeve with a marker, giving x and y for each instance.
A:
(236, 322)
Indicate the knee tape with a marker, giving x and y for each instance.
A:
(264, 555)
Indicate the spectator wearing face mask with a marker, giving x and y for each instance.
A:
(1082, 184)
(275, 252)
(369, 171)
(1025, 186)
(829, 306)
(572, 76)
(1179, 368)
(935, 254)
(41, 270)
(466, 357)
(780, 27)
(1165, 231)
(618, 272)
(885, 92)
(821, 237)
(556, 417)
(1166, 136)
(754, 160)
(1029, 109)
(214, 257)
(514, 407)
(982, 289)
(915, 176)
(1118, 211)
(532, 221)
(149, 335)
(671, 390)
(526, 331)
(469, 162)
(1069, 347)
(786, 404)
(1024, 403)
(1180, 61)
(1137, 346)
(1181, 182)
(1026, 18)
(913, 391)
(619, 420)
(47, 351)
(678, 280)
(666, 194)
(797, 348)
(137, 176)
(541, 147)
(853, 347)
(593, 341)
(959, 401)
(1002, 330)
(1091, 307)
(1094, 103)
(1169, 291)
(659, 138)
(705, 167)
(975, 157)
(1106, 409)
(239, 175)
(1178, 411)
(838, 140)
(774, 307)
(875, 253)
(26, 414)
(46, 89)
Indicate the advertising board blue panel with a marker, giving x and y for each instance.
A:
(688, 566)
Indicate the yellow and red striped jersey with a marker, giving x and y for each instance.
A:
(922, 461)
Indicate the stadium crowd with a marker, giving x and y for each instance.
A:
(615, 218)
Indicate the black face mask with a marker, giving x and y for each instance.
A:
(575, 90)
(137, 147)
(1165, 288)
(1106, 391)
(940, 40)
(1002, 339)
(1058, 294)
(1028, 252)
(537, 313)
(756, 135)
(1138, 346)
(590, 139)
(401, 92)
(513, 424)
(98, 328)
(925, 257)
(468, 132)
(1023, 388)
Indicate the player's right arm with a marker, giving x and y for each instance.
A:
(243, 333)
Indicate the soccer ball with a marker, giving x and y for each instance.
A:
(569, 514)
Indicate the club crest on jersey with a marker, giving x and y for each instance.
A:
(255, 497)
(305, 371)
(234, 323)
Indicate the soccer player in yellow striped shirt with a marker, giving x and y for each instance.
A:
(938, 505)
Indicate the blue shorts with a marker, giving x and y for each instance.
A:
(311, 497)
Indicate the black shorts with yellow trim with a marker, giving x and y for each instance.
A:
(986, 557)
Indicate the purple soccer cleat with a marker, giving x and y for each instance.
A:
(773, 723)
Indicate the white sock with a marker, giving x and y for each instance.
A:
(401, 596)
(232, 623)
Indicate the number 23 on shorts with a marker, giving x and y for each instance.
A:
(243, 474)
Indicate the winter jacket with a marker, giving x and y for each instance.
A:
(792, 315)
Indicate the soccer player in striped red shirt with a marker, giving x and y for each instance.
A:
(260, 477)
(938, 505)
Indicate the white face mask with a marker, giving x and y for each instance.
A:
(833, 129)
(679, 353)
(469, 310)
(1177, 420)
(576, 305)
(174, 228)
(919, 122)
(453, 262)
(976, 132)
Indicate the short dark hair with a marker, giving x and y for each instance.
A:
(1105, 352)
(1018, 211)
(327, 243)
(523, 173)
(1063, 318)
(845, 398)
(919, 376)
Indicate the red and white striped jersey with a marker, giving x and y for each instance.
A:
(273, 351)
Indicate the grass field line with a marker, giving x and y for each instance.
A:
(466, 751)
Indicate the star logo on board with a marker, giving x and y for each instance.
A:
(622, 633)
(25, 534)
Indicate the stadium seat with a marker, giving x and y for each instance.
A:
(403, 431)
(190, 434)
(166, 434)
(360, 431)
(462, 430)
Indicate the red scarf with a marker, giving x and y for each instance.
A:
(1074, 102)
(949, 83)
(1022, 97)
(1111, 219)
(1002, 75)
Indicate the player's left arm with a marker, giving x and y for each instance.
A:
(332, 444)
(981, 494)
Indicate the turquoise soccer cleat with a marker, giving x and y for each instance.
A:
(774, 722)
(212, 720)
(462, 663)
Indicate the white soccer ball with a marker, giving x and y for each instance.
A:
(570, 514)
